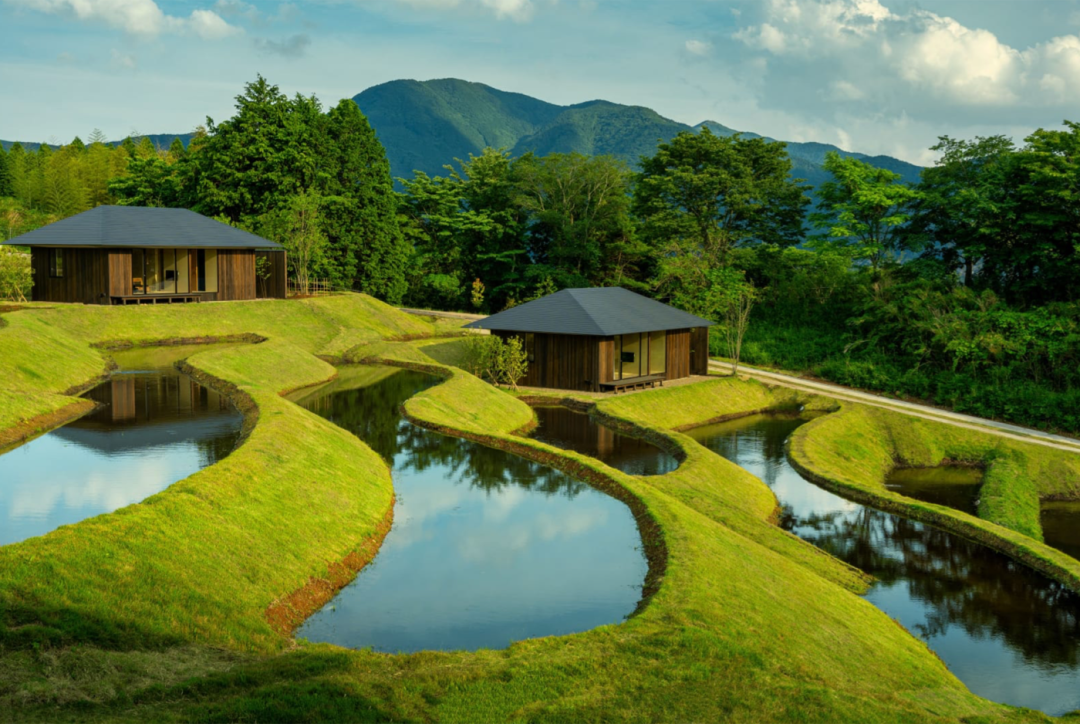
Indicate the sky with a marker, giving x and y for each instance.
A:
(876, 76)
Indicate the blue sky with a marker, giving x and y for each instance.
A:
(878, 76)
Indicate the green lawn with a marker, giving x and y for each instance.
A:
(158, 611)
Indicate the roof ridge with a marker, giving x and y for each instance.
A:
(577, 302)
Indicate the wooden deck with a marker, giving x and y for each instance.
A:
(633, 383)
(156, 298)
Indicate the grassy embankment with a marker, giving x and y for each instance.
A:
(854, 449)
(157, 611)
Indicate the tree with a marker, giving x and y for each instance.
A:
(864, 209)
(736, 300)
(512, 362)
(702, 195)
(580, 232)
(15, 277)
(960, 204)
(364, 225)
(297, 227)
(5, 174)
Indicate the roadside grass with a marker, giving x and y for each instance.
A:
(854, 449)
(156, 611)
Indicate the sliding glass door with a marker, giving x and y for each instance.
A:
(637, 355)
(173, 271)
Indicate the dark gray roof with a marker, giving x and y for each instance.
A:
(139, 226)
(602, 311)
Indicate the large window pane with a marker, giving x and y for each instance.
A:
(657, 353)
(211, 270)
(615, 367)
(153, 270)
(183, 283)
(168, 271)
(630, 357)
(138, 261)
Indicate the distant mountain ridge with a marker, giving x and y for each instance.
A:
(160, 140)
(425, 125)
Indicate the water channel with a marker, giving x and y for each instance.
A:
(1009, 633)
(486, 548)
(564, 428)
(153, 426)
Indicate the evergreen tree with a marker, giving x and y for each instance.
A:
(77, 144)
(362, 205)
(5, 174)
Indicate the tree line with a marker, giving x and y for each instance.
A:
(961, 288)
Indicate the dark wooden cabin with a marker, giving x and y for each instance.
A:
(137, 255)
(606, 338)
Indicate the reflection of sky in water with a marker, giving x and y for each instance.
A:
(95, 465)
(486, 548)
(1008, 633)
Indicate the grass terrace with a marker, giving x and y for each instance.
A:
(178, 608)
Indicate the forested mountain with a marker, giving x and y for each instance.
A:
(425, 124)
(161, 141)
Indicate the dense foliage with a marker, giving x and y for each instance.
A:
(961, 288)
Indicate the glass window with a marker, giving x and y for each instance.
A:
(138, 271)
(630, 355)
(152, 277)
(657, 353)
(183, 285)
(168, 267)
(211, 271)
(56, 263)
(615, 352)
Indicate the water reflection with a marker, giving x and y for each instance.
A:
(1061, 526)
(486, 547)
(1009, 633)
(151, 429)
(949, 485)
(571, 430)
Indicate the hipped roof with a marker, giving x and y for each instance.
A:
(139, 226)
(600, 311)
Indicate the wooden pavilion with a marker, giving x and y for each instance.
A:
(606, 338)
(139, 255)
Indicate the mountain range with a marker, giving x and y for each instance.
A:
(425, 125)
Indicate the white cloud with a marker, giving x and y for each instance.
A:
(911, 57)
(698, 47)
(517, 10)
(141, 18)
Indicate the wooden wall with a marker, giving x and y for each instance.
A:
(119, 273)
(678, 354)
(276, 286)
(699, 351)
(562, 361)
(86, 276)
(236, 274)
(607, 359)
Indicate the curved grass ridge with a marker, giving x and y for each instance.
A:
(747, 625)
(851, 451)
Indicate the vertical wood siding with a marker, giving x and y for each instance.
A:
(678, 354)
(236, 274)
(699, 351)
(119, 272)
(86, 276)
(606, 360)
(562, 361)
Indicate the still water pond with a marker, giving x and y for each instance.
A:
(1061, 526)
(569, 430)
(486, 547)
(153, 426)
(949, 485)
(1010, 634)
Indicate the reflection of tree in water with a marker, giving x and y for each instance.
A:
(372, 413)
(215, 449)
(965, 584)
